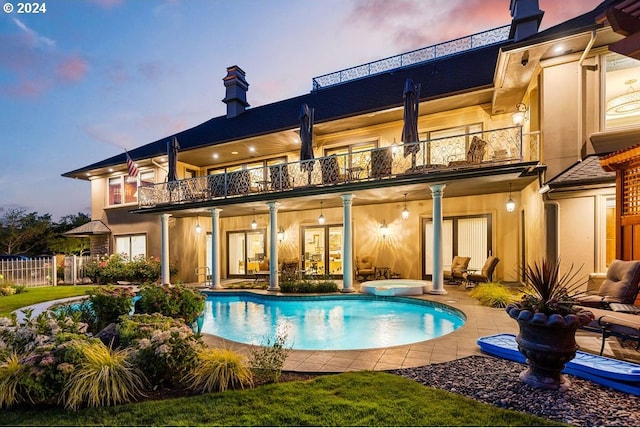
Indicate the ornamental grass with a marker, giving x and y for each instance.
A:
(218, 370)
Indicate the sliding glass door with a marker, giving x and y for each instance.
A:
(322, 250)
(246, 249)
(468, 236)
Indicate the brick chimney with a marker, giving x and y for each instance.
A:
(236, 95)
(525, 19)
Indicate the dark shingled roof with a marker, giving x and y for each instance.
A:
(458, 73)
(588, 172)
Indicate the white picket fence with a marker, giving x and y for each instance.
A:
(34, 272)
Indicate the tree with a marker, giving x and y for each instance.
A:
(24, 233)
(60, 244)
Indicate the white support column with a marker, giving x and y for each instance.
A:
(347, 244)
(273, 246)
(165, 275)
(437, 280)
(215, 248)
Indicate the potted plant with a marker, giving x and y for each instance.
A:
(548, 322)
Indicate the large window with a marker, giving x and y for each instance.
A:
(622, 91)
(353, 158)
(124, 189)
(322, 249)
(468, 236)
(131, 246)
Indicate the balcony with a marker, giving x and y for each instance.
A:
(459, 153)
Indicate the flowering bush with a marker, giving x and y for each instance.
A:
(110, 303)
(175, 301)
(166, 349)
(117, 267)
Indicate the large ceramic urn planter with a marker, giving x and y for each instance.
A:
(548, 343)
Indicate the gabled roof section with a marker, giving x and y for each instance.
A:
(448, 76)
(94, 227)
(586, 173)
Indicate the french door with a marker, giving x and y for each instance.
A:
(467, 236)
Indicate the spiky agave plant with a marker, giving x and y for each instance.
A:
(219, 370)
(549, 292)
(105, 377)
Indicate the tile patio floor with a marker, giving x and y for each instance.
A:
(481, 321)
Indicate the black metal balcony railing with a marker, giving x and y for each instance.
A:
(428, 53)
(460, 152)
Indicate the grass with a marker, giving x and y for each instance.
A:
(34, 295)
(347, 399)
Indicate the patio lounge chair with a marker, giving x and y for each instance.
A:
(485, 275)
(618, 324)
(459, 267)
(365, 268)
(620, 286)
(475, 154)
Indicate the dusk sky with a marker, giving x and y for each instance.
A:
(89, 78)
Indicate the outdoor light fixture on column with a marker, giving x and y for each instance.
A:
(198, 229)
(384, 229)
(405, 211)
(511, 205)
(321, 217)
(280, 234)
(520, 115)
(254, 223)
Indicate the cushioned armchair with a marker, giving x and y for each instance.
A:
(365, 268)
(475, 154)
(620, 285)
(485, 274)
(459, 267)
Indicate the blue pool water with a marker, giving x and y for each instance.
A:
(327, 322)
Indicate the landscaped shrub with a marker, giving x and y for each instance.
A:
(219, 370)
(493, 294)
(308, 286)
(266, 361)
(176, 301)
(110, 303)
(166, 349)
(12, 390)
(114, 268)
(104, 377)
(7, 288)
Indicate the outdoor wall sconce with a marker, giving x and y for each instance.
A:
(254, 223)
(280, 234)
(511, 204)
(198, 229)
(520, 115)
(321, 217)
(384, 229)
(405, 211)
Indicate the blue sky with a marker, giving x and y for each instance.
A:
(90, 78)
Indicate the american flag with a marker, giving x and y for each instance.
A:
(131, 166)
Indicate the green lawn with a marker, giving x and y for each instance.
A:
(34, 295)
(347, 399)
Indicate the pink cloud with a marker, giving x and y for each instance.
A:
(27, 89)
(107, 4)
(72, 69)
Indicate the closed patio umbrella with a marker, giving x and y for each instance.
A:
(410, 126)
(306, 140)
(172, 152)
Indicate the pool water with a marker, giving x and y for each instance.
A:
(327, 322)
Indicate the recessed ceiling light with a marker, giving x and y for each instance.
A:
(559, 48)
(234, 153)
(110, 169)
(215, 156)
(162, 159)
(252, 149)
(88, 174)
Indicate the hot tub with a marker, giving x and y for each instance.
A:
(395, 287)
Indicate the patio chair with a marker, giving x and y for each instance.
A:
(458, 267)
(365, 268)
(475, 154)
(485, 274)
(620, 286)
(279, 175)
(330, 170)
(381, 162)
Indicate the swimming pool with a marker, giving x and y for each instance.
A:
(327, 322)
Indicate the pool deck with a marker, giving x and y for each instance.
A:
(481, 321)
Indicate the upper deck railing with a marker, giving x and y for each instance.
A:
(456, 153)
(417, 56)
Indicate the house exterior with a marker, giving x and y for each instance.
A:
(511, 114)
